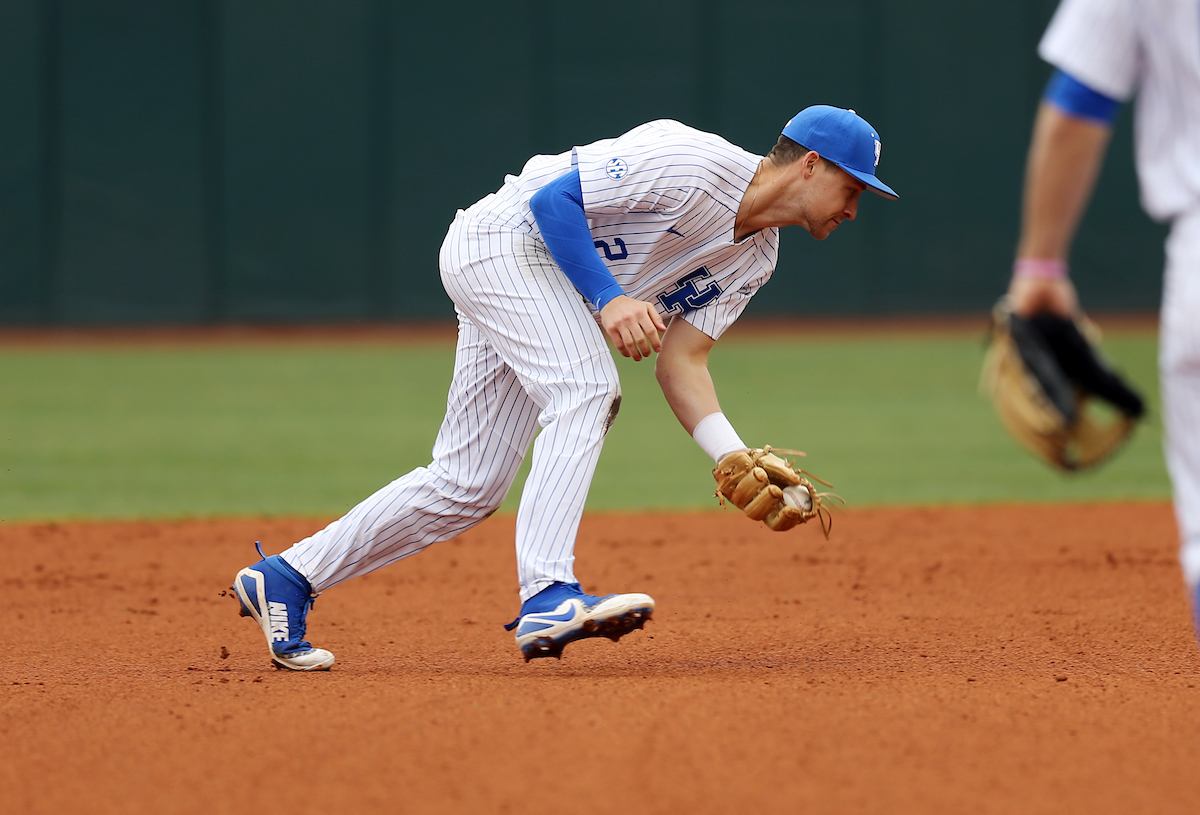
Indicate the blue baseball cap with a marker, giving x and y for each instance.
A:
(843, 137)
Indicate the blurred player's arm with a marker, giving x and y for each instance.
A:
(1070, 137)
(682, 373)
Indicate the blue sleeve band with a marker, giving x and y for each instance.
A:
(1077, 99)
(558, 209)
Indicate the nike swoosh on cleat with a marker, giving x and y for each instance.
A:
(557, 618)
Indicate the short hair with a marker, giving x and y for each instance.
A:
(787, 150)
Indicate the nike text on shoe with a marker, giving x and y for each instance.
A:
(278, 598)
(562, 613)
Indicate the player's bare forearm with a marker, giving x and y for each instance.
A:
(682, 373)
(634, 326)
(1064, 160)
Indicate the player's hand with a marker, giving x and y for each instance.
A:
(1031, 295)
(634, 326)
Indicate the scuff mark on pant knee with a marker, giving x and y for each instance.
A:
(612, 413)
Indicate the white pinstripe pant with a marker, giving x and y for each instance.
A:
(1179, 370)
(529, 353)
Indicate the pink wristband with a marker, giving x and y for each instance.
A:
(1046, 268)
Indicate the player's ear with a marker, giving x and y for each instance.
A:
(810, 162)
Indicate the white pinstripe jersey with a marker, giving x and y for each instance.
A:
(1151, 47)
(660, 201)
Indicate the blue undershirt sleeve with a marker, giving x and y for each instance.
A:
(1077, 99)
(558, 209)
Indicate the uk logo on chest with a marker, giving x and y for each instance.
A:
(690, 292)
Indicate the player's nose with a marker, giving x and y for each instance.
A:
(851, 209)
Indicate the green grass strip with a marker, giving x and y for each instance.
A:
(310, 429)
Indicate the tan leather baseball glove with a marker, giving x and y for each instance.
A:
(1046, 377)
(770, 489)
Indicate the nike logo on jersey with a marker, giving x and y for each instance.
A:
(675, 231)
(277, 614)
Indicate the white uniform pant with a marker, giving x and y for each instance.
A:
(1179, 370)
(529, 353)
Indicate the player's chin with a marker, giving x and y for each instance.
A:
(822, 234)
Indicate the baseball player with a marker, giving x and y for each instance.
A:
(1105, 51)
(609, 241)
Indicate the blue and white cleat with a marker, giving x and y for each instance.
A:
(562, 613)
(278, 598)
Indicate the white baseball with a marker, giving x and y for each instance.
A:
(798, 496)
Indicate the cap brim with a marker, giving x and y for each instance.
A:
(872, 182)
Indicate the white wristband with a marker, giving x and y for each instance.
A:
(716, 436)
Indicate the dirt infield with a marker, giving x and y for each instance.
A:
(998, 660)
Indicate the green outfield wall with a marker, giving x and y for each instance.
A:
(206, 161)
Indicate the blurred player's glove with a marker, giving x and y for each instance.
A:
(769, 489)
(1045, 375)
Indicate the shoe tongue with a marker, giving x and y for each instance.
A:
(551, 598)
(285, 569)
